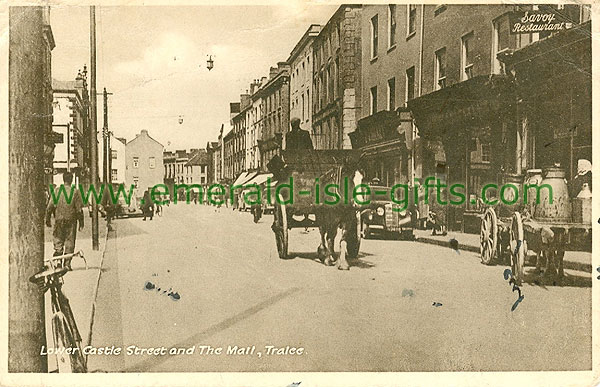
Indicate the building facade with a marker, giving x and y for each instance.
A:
(275, 94)
(301, 85)
(69, 118)
(337, 79)
(390, 74)
(118, 159)
(256, 124)
(144, 163)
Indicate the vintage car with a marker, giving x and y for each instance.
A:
(383, 217)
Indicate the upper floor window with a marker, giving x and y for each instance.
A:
(113, 154)
(411, 19)
(466, 57)
(391, 89)
(373, 105)
(391, 25)
(374, 36)
(136, 162)
(410, 83)
(440, 68)
(501, 41)
(152, 162)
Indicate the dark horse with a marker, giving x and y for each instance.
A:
(330, 218)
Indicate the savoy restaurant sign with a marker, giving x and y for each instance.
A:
(525, 22)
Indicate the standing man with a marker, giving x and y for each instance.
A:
(297, 138)
(67, 212)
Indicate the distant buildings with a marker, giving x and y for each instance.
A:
(301, 79)
(118, 163)
(144, 163)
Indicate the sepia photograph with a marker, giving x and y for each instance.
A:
(299, 188)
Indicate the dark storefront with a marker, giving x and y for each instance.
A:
(383, 147)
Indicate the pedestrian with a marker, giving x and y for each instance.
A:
(67, 213)
(147, 206)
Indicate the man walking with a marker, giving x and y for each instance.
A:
(67, 212)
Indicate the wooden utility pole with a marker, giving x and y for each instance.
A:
(28, 123)
(106, 164)
(93, 127)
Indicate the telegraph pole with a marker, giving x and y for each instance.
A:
(27, 127)
(106, 165)
(93, 128)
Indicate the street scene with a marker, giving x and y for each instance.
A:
(300, 188)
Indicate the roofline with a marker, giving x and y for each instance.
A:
(303, 42)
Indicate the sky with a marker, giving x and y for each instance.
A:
(153, 60)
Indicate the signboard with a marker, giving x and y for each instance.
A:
(526, 22)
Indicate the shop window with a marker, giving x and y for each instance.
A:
(440, 68)
(374, 36)
(373, 104)
(411, 19)
(466, 57)
(391, 89)
(410, 83)
(391, 25)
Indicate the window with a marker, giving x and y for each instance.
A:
(485, 152)
(391, 25)
(410, 83)
(136, 162)
(440, 68)
(113, 175)
(152, 162)
(501, 42)
(136, 181)
(303, 106)
(373, 100)
(391, 89)
(374, 36)
(466, 57)
(113, 154)
(411, 19)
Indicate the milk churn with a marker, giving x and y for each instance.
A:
(560, 208)
(533, 177)
(582, 205)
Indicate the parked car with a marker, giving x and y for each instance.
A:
(384, 218)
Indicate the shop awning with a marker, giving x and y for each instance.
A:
(260, 179)
(455, 109)
(243, 178)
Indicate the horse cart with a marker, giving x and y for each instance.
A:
(315, 189)
(530, 226)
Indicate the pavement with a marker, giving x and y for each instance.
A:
(81, 284)
(402, 306)
(470, 242)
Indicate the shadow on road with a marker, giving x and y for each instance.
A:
(536, 279)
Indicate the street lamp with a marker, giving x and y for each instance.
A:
(210, 63)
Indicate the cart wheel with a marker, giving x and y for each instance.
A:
(354, 236)
(280, 228)
(517, 248)
(488, 236)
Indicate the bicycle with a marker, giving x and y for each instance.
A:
(64, 329)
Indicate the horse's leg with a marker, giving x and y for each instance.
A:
(322, 249)
(342, 262)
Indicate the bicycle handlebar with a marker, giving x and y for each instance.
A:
(62, 258)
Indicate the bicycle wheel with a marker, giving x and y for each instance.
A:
(65, 308)
(63, 340)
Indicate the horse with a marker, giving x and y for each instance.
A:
(342, 216)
